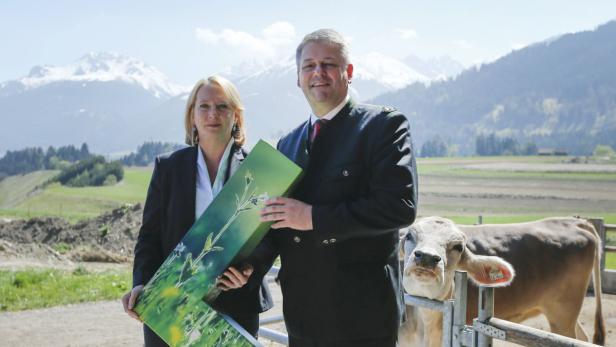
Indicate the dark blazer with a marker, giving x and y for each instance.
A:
(168, 214)
(341, 281)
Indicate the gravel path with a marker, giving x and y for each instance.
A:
(90, 324)
(105, 324)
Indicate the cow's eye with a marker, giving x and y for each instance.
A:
(457, 247)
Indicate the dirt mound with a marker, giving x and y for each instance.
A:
(109, 237)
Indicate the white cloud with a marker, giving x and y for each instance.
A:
(463, 44)
(273, 41)
(407, 33)
(279, 33)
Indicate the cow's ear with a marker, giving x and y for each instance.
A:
(487, 270)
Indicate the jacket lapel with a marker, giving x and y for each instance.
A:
(300, 155)
(188, 187)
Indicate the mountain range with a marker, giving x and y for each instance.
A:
(557, 93)
(114, 102)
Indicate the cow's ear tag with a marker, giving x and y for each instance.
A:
(497, 276)
(491, 271)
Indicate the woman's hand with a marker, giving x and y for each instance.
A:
(129, 299)
(232, 278)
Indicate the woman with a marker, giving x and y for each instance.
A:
(183, 184)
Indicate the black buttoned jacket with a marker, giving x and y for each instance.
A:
(341, 281)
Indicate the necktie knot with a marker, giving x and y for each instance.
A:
(316, 128)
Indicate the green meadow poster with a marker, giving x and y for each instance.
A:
(174, 303)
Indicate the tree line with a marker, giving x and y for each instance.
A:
(148, 151)
(35, 158)
(491, 144)
(485, 145)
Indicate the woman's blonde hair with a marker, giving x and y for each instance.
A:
(239, 135)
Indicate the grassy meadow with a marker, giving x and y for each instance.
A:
(40, 288)
(71, 203)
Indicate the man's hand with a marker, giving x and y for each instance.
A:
(129, 299)
(287, 213)
(232, 278)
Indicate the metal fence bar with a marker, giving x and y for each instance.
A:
(423, 302)
(271, 320)
(447, 322)
(531, 337)
(485, 312)
(274, 335)
(459, 311)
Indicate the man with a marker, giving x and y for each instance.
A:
(337, 235)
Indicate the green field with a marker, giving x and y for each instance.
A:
(449, 187)
(37, 288)
(70, 202)
(15, 189)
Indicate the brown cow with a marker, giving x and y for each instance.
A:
(553, 260)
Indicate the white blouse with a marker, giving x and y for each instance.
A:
(206, 192)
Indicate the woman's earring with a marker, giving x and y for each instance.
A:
(235, 131)
(195, 137)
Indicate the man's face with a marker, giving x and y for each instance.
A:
(323, 77)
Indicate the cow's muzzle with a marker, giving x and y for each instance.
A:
(425, 259)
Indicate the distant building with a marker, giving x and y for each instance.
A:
(552, 151)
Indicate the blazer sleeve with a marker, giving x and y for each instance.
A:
(148, 249)
(262, 259)
(390, 202)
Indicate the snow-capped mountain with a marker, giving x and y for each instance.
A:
(387, 71)
(104, 99)
(102, 67)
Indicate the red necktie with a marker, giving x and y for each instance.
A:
(316, 128)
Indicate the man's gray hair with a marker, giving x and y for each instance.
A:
(327, 36)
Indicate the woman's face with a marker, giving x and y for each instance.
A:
(213, 115)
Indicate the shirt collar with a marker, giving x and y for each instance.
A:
(329, 115)
(222, 167)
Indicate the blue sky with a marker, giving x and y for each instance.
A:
(190, 39)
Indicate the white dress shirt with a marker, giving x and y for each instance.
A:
(206, 192)
(329, 115)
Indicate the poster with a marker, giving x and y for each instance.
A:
(174, 302)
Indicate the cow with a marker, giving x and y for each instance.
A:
(541, 267)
